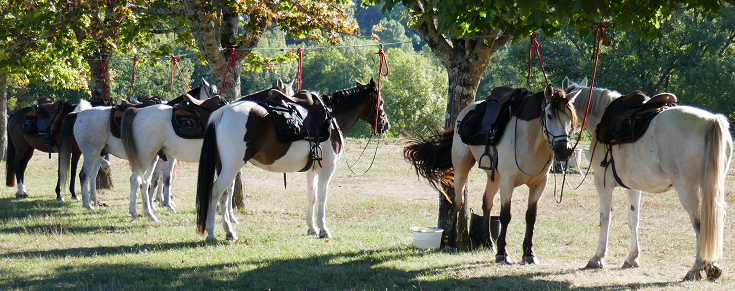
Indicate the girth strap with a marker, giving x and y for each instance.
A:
(611, 162)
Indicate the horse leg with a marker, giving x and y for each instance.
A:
(145, 191)
(462, 163)
(21, 163)
(231, 193)
(605, 194)
(534, 194)
(167, 172)
(506, 195)
(224, 180)
(324, 177)
(226, 205)
(311, 184)
(491, 188)
(634, 199)
(74, 161)
(689, 199)
(86, 179)
(104, 165)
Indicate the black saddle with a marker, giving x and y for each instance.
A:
(627, 117)
(299, 117)
(117, 111)
(485, 124)
(190, 117)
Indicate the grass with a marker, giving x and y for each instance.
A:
(45, 244)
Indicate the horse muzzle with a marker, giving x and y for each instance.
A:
(562, 150)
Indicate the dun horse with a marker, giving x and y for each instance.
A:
(244, 132)
(539, 123)
(685, 149)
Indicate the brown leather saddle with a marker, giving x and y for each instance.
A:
(190, 117)
(627, 118)
(117, 111)
(43, 118)
(484, 125)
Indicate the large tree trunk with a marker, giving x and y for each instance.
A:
(99, 87)
(216, 34)
(3, 115)
(465, 60)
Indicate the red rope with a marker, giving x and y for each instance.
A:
(233, 56)
(299, 53)
(534, 46)
(383, 61)
(104, 80)
(173, 62)
(132, 79)
(598, 33)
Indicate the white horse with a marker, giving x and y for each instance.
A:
(244, 132)
(90, 130)
(147, 132)
(524, 155)
(684, 148)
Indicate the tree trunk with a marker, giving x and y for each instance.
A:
(238, 200)
(99, 87)
(3, 115)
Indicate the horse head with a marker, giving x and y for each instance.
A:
(285, 88)
(558, 121)
(377, 116)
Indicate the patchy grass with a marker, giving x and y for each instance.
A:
(47, 244)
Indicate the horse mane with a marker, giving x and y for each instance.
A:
(529, 107)
(601, 98)
(257, 96)
(347, 99)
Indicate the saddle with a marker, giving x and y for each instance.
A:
(117, 112)
(627, 118)
(44, 118)
(485, 124)
(190, 117)
(302, 116)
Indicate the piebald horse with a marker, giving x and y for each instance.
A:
(90, 131)
(538, 131)
(244, 132)
(21, 147)
(147, 132)
(685, 149)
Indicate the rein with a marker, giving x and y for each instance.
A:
(515, 152)
(173, 62)
(375, 154)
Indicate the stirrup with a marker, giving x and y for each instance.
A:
(490, 160)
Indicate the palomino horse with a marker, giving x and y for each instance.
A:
(540, 123)
(684, 148)
(21, 147)
(244, 132)
(90, 130)
(148, 132)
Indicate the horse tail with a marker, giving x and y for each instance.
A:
(67, 144)
(10, 162)
(128, 140)
(205, 180)
(432, 158)
(83, 105)
(712, 211)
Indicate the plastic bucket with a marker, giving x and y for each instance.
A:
(427, 238)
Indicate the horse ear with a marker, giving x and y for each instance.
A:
(279, 83)
(570, 99)
(583, 83)
(549, 92)
(565, 84)
(372, 82)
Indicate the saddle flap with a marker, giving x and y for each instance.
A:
(502, 94)
(634, 99)
(662, 98)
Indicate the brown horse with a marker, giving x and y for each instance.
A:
(21, 146)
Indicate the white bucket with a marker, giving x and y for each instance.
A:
(427, 237)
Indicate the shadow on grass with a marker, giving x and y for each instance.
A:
(14, 208)
(363, 270)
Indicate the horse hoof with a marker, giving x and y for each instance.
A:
(628, 265)
(75, 197)
(325, 234)
(211, 238)
(231, 237)
(693, 276)
(593, 265)
(450, 249)
(714, 272)
(89, 207)
(59, 198)
(503, 259)
(531, 260)
(311, 231)
(23, 195)
(152, 218)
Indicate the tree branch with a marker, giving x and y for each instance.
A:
(168, 11)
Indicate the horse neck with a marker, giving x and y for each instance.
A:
(600, 99)
(346, 120)
(530, 133)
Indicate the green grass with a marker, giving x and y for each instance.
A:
(45, 244)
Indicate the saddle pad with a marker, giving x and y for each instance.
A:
(187, 124)
(43, 120)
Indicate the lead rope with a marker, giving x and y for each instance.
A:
(375, 154)
(173, 63)
(132, 79)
